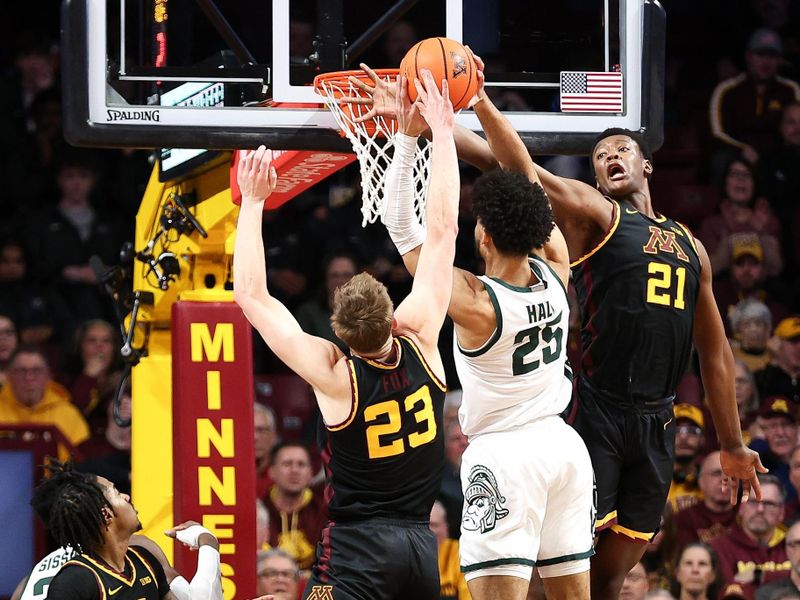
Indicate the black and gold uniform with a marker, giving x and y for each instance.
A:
(384, 467)
(86, 577)
(638, 290)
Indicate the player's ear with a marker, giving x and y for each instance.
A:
(648, 168)
(394, 325)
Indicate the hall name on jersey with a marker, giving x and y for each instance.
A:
(539, 312)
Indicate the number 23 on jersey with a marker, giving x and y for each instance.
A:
(381, 433)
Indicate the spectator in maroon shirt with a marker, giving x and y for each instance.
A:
(792, 582)
(92, 370)
(296, 514)
(745, 110)
(752, 552)
(714, 515)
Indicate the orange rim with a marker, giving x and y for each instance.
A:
(340, 79)
(336, 85)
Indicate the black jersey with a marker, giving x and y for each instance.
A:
(638, 290)
(386, 459)
(87, 578)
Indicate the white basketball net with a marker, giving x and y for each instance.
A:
(374, 150)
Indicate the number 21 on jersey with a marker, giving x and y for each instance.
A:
(419, 404)
(659, 285)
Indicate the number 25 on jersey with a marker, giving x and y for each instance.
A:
(419, 404)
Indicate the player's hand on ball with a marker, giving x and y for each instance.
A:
(409, 119)
(741, 464)
(256, 176)
(479, 67)
(435, 106)
(380, 97)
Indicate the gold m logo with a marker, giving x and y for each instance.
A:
(321, 592)
(662, 240)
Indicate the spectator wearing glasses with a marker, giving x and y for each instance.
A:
(778, 419)
(752, 552)
(278, 575)
(689, 442)
(32, 397)
(791, 583)
(8, 343)
(713, 516)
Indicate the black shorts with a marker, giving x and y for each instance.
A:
(633, 450)
(375, 559)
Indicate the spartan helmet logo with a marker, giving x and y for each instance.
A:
(484, 502)
(459, 64)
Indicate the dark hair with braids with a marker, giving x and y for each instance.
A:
(71, 505)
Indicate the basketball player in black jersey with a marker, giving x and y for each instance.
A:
(87, 513)
(382, 409)
(644, 284)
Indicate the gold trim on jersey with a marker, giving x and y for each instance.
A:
(115, 574)
(690, 236)
(146, 563)
(631, 533)
(609, 233)
(439, 383)
(385, 366)
(99, 581)
(353, 400)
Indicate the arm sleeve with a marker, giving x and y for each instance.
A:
(398, 213)
(74, 582)
(206, 583)
(180, 588)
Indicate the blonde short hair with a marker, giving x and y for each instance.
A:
(362, 313)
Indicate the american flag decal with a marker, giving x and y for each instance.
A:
(591, 91)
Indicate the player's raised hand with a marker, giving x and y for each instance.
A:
(256, 175)
(409, 119)
(193, 535)
(480, 94)
(380, 96)
(741, 464)
(435, 106)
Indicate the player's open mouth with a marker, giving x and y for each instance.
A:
(615, 172)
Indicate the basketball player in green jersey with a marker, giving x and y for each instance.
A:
(644, 285)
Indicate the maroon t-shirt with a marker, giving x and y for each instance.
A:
(738, 553)
(699, 524)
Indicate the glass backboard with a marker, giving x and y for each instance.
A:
(255, 61)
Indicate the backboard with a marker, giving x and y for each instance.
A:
(200, 74)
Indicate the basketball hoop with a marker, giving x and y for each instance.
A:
(372, 140)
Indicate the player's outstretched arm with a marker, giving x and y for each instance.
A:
(207, 581)
(312, 358)
(717, 369)
(424, 309)
(401, 220)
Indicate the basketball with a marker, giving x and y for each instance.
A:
(445, 59)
